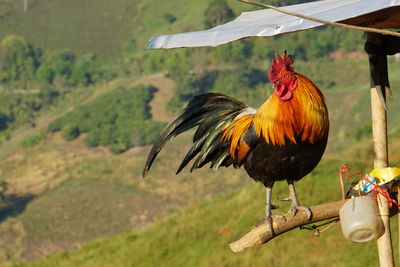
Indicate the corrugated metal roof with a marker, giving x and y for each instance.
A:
(382, 14)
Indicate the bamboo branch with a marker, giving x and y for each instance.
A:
(262, 234)
(326, 22)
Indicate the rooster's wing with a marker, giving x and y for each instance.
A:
(216, 137)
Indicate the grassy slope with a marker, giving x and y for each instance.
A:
(101, 26)
(47, 168)
(112, 180)
(200, 234)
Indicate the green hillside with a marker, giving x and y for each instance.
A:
(112, 119)
(199, 236)
(105, 191)
(81, 26)
(106, 28)
(81, 100)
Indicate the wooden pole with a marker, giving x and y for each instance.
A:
(379, 82)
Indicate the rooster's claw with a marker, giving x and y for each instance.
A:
(269, 220)
(295, 209)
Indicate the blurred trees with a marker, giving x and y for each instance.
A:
(4, 120)
(17, 61)
(218, 12)
(31, 79)
(56, 67)
(119, 119)
(237, 68)
(23, 66)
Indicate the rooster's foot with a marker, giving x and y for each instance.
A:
(269, 219)
(295, 208)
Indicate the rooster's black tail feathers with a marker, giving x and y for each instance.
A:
(212, 113)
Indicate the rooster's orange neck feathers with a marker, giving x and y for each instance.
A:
(305, 116)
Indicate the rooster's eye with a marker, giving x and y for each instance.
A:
(286, 76)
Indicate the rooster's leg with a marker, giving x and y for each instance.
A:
(268, 202)
(268, 211)
(295, 206)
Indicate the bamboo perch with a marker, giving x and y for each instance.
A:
(261, 234)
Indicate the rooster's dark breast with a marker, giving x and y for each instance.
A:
(268, 163)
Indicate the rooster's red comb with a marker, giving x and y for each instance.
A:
(278, 64)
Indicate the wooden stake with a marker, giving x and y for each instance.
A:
(379, 81)
(26, 5)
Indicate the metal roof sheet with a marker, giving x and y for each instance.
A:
(267, 22)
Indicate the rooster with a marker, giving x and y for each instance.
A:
(284, 139)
